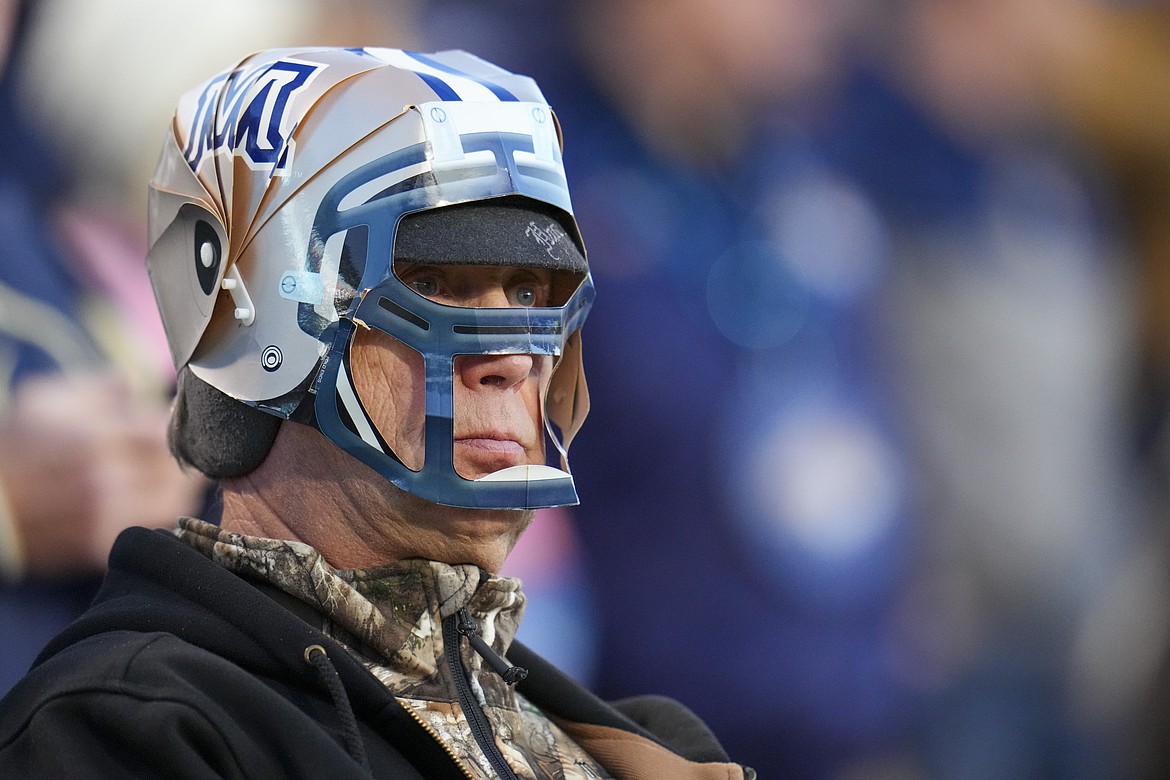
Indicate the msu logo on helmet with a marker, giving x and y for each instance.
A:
(247, 113)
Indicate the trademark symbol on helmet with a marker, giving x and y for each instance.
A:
(271, 358)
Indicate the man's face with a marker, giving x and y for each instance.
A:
(497, 418)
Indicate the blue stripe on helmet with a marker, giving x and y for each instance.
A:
(438, 86)
(501, 93)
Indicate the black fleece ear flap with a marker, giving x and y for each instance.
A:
(215, 433)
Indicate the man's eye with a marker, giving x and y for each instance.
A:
(426, 286)
(526, 296)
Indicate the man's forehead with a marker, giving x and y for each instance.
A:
(515, 232)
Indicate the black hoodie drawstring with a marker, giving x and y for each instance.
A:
(316, 657)
(467, 626)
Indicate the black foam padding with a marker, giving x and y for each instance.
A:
(215, 433)
(512, 231)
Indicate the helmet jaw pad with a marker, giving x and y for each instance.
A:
(216, 434)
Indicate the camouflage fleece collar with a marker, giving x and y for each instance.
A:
(391, 618)
(389, 615)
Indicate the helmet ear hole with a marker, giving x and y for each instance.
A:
(208, 255)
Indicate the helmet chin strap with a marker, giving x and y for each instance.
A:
(529, 473)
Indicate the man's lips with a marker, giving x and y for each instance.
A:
(478, 456)
(503, 446)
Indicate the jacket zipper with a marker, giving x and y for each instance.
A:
(442, 743)
(476, 718)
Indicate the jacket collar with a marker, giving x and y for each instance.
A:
(391, 615)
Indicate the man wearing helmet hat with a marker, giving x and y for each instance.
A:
(373, 288)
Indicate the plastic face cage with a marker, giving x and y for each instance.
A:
(491, 164)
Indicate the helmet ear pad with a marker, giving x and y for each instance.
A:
(216, 434)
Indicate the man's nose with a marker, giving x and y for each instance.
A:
(501, 372)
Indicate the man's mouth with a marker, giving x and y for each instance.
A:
(493, 445)
(479, 455)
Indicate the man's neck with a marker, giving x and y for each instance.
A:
(308, 490)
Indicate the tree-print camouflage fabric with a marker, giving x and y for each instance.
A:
(390, 617)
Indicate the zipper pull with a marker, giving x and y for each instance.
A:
(467, 626)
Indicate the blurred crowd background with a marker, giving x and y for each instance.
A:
(875, 479)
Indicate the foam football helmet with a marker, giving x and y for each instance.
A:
(274, 211)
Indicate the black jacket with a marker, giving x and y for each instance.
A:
(183, 669)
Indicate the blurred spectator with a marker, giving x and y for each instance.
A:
(82, 444)
(1009, 310)
(84, 373)
(1105, 68)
